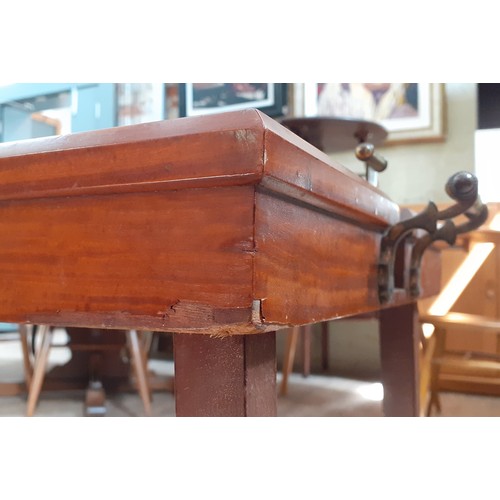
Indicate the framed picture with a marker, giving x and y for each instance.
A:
(207, 98)
(411, 112)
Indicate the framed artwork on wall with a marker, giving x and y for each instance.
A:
(411, 112)
(208, 98)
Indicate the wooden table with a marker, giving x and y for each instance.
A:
(221, 229)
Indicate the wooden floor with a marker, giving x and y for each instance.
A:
(325, 395)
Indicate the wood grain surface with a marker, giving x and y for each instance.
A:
(232, 376)
(157, 261)
(399, 357)
(311, 267)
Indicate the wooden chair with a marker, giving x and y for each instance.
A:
(138, 358)
(305, 333)
(473, 366)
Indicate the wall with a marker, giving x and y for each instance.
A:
(416, 174)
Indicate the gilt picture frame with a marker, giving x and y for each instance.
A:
(411, 112)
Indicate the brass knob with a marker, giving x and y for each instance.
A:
(366, 152)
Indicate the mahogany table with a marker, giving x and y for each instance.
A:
(221, 229)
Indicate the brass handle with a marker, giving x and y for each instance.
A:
(366, 152)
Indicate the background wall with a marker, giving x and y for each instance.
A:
(418, 172)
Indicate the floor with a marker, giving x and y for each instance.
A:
(312, 396)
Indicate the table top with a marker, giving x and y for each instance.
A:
(222, 224)
(229, 148)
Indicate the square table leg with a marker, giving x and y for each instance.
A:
(231, 376)
(399, 351)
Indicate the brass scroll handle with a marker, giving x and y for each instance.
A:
(463, 188)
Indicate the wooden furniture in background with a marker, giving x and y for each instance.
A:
(304, 334)
(468, 369)
(221, 229)
(96, 353)
(467, 337)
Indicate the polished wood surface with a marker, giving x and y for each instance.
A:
(231, 376)
(193, 225)
(399, 355)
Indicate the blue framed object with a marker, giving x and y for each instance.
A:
(93, 106)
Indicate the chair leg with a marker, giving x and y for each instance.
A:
(290, 348)
(306, 350)
(39, 368)
(27, 366)
(147, 340)
(140, 368)
(435, 369)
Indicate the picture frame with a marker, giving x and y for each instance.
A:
(208, 98)
(411, 112)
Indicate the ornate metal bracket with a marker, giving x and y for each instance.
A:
(461, 187)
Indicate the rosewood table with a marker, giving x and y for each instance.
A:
(222, 229)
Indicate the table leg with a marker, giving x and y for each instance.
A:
(231, 376)
(399, 351)
(306, 351)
